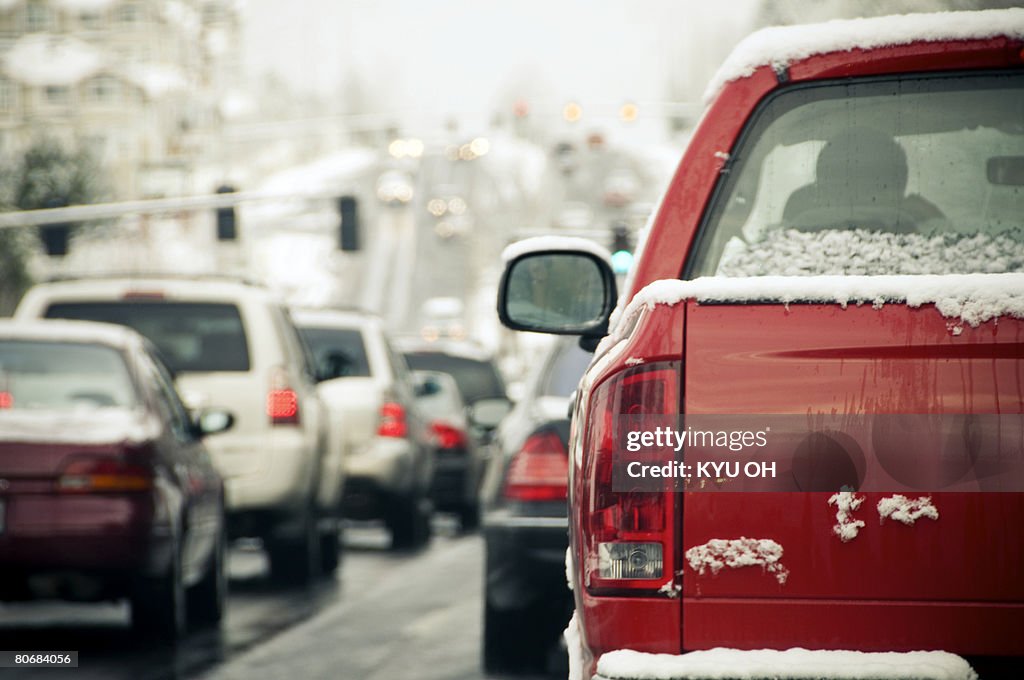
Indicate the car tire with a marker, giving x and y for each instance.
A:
(469, 517)
(330, 549)
(296, 561)
(409, 522)
(158, 604)
(207, 600)
(509, 643)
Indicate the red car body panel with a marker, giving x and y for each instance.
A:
(952, 584)
(688, 193)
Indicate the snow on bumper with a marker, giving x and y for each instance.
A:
(795, 664)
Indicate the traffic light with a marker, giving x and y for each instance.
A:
(226, 217)
(622, 249)
(348, 229)
(55, 239)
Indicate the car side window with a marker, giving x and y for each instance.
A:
(168, 401)
(294, 343)
(400, 369)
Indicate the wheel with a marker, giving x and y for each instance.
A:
(208, 598)
(510, 644)
(469, 517)
(296, 561)
(330, 547)
(409, 522)
(158, 606)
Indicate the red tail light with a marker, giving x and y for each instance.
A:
(447, 436)
(392, 420)
(97, 475)
(6, 400)
(627, 535)
(540, 471)
(282, 400)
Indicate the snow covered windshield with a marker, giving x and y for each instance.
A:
(921, 175)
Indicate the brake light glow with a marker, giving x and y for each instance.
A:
(540, 470)
(99, 475)
(626, 534)
(6, 400)
(447, 436)
(282, 400)
(392, 420)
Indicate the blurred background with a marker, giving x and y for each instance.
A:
(364, 154)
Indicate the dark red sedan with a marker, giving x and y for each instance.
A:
(106, 489)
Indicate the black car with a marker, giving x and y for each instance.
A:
(526, 601)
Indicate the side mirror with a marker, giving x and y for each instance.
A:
(563, 292)
(487, 414)
(211, 421)
(425, 384)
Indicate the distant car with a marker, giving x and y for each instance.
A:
(621, 186)
(474, 369)
(442, 317)
(574, 215)
(394, 188)
(526, 601)
(106, 488)
(389, 462)
(232, 344)
(456, 485)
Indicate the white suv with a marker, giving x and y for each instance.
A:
(389, 450)
(232, 345)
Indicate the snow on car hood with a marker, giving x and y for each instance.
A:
(779, 46)
(90, 426)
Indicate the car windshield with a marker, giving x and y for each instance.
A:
(339, 351)
(192, 336)
(921, 175)
(63, 376)
(476, 379)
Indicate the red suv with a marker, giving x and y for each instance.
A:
(831, 289)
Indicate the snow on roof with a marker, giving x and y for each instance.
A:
(156, 80)
(41, 60)
(779, 46)
(972, 298)
(542, 243)
(182, 16)
(59, 330)
(791, 663)
(84, 5)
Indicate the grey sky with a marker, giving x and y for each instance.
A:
(462, 56)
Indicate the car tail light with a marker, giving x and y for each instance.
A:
(540, 470)
(627, 535)
(6, 400)
(93, 475)
(282, 401)
(447, 436)
(392, 420)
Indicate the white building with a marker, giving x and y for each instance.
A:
(140, 82)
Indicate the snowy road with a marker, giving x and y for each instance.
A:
(385, 616)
